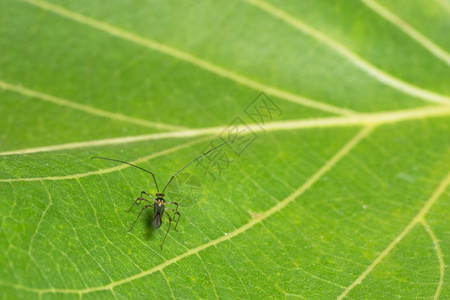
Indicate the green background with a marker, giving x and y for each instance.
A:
(343, 195)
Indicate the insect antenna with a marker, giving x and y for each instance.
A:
(130, 164)
(194, 160)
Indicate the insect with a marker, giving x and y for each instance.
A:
(158, 203)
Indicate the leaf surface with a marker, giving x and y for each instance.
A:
(343, 195)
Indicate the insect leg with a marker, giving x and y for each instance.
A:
(174, 203)
(175, 213)
(139, 199)
(142, 210)
(168, 229)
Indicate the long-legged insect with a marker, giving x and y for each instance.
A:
(158, 203)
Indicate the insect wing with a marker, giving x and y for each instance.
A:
(158, 212)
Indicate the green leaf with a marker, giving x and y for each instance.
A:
(345, 194)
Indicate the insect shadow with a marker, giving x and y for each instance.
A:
(149, 231)
(158, 202)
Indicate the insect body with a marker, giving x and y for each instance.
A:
(158, 202)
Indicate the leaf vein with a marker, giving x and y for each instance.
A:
(107, 170)
(439, 255)
(30, 247)
(168, 284)
(409, 30)
(209, 275)
(390, 117)
(84, 108)
(358, 61)
(418, 218)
